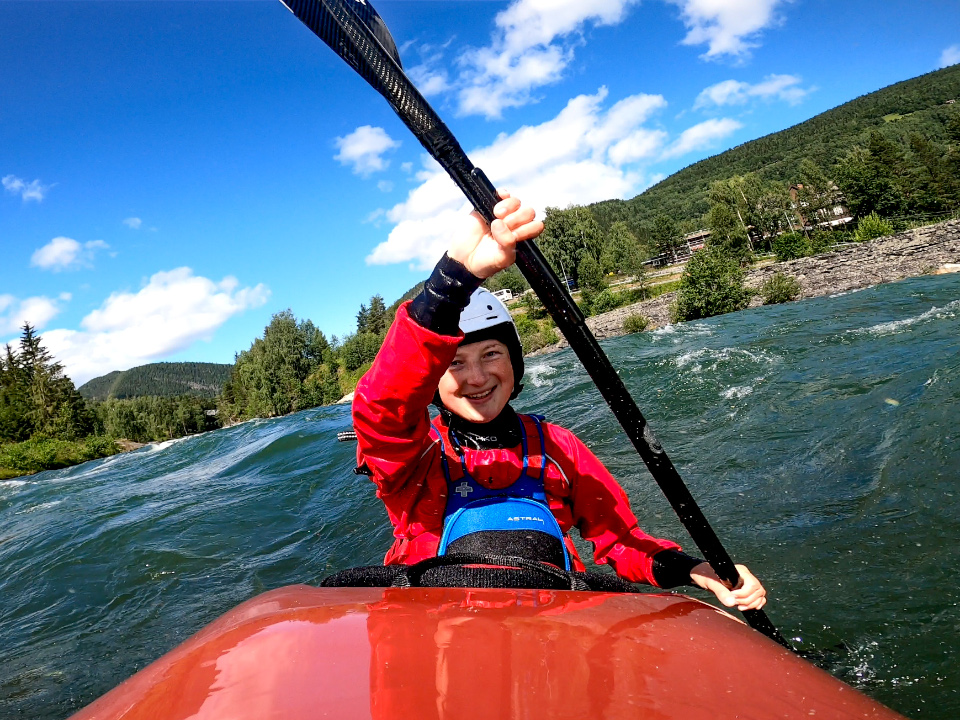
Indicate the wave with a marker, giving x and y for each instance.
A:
(850, 292)
(681, 331)
(892, 328)
(710, 359)
(157, 447)
(735, 393)
(539, 375)
(41, 506)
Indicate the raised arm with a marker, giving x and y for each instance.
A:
(391, 400)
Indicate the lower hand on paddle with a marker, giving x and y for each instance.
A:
(486, 250)
(748, 595)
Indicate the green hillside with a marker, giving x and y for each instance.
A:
(913, 106)
(166, 379)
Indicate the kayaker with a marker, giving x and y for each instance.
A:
(479, 463)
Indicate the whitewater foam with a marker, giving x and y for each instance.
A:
(892, 328)
(735, 393)
(709, 358)
(539, 375)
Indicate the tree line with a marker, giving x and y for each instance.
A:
(165, 379)
(887, 156)
(919, 106)
(884, 184)
(293, 366)
(45, 423)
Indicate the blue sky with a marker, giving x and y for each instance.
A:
(173, 173)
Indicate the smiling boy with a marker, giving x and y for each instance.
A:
(479, 462)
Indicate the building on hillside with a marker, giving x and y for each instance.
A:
(832, 212)
(503, 295)
(696, 240)
(691, 243)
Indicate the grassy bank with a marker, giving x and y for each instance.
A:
(35, 455)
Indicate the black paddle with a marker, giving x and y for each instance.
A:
(358, 35)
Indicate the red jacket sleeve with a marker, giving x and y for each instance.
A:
(390, 403)
(601, 511)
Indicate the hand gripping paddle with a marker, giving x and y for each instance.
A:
(358, 35)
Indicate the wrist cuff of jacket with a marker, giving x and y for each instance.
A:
(671, 568)
(444, 296)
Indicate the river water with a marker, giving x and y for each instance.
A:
(821, 439)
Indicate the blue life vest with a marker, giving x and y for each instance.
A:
(515, 520)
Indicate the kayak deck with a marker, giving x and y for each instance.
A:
(305, 652)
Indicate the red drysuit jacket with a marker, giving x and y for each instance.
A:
(391, 419)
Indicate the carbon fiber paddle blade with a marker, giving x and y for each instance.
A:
(352, 28)
(318, 16)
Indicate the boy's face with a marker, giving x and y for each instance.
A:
(479, 381)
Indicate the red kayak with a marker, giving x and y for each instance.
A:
(420, 653)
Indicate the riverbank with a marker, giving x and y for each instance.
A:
(37, 455)
(922, 251)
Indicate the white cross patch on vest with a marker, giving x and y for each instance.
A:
(463, 489)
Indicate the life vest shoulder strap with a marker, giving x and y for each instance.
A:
(532, 447)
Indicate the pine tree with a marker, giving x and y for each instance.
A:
(377, 318)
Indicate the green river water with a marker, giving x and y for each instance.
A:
(821, 439)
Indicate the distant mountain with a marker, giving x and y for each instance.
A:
(919, 106)
(159, 379)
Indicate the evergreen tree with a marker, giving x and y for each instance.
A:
(568, 236)
(378, 320)
(14, 424)
(868, 184)
(621, 252)
(666, 236)
(363, 318)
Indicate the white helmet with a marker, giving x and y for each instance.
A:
(485, 310)
(485, 317)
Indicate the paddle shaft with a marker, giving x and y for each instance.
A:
(572, 323)
(338, 24)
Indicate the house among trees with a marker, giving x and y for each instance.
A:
(696, 240)
(829, 209)
(681, 249)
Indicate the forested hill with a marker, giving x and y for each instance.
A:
(918, 106)
(168, 379)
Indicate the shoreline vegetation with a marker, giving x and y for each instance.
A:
(863, 194)
(932, 249)
(928, 250)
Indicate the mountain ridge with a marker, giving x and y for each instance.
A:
(161, 379)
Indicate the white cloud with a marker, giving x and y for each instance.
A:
(734, 92)
(950, 56)
(702, 136)
(727, 27)
(34, 190)
(429, 80)
(63, 253)
(171, 312)
(584, 154)
(37, 311)
(531, 47)
(133, 223)
(363, 149)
